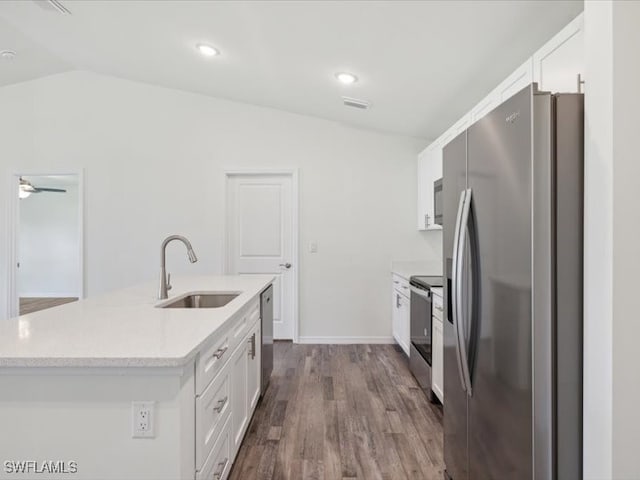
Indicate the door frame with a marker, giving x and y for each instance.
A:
(13, 229)
(295, 199)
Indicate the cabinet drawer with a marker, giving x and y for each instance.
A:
(400, 285)
(211, 360)
(247, 318)
(218, 463)
(212, 409)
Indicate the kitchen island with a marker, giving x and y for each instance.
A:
(116, 387)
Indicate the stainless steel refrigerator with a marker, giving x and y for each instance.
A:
(513, 216)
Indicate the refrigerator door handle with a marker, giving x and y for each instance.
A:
(459, 281)
(455, 290)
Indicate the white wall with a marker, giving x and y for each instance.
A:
(598, 241)
(612, 303)
(154, 161)
(626, 232)
(49, 244)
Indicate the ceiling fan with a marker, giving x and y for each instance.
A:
(26, 188)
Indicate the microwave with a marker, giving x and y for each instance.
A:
(437, 202)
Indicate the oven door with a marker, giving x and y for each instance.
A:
(420, 318)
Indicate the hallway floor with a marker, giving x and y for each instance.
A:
(342, 412)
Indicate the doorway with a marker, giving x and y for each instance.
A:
(262, 238)
(46, 243)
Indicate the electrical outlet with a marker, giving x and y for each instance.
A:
(143, 418)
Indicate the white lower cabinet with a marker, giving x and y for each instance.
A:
(400, 306)
(437, 357)
(226, 405)
(245, 384)
(212, 411)
(218, 463)
(437, 379)
(254, 372)
(239, 393)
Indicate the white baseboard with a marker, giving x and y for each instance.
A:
(346, 340)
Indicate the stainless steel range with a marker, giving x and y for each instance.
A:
(421, 330)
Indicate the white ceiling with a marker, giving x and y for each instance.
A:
(31, 60)
(421, 64)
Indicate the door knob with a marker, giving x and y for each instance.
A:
(286, 265)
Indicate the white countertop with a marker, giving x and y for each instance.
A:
(407, 269)
(124, 328)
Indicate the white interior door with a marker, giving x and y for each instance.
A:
(260, 238)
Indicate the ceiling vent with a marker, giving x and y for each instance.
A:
(53, 6)
(355, 103)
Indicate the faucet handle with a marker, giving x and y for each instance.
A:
(169, 287)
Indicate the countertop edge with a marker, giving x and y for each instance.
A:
(119, 365)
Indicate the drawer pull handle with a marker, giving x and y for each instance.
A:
(252, 343)
(219, 353)
(221, 403)
(221, 466)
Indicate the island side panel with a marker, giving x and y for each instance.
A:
(86, 417)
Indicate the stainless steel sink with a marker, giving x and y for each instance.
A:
(202, 300)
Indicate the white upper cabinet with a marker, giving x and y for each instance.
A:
(515, 82)
(559, 65)
(511, 85)
(555, 67)
(487, 104)
(425, 203)
(430, 170)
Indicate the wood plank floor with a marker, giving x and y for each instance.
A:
(342, 412)
(35, 304)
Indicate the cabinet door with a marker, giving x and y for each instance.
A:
(422, 195)
(395, 316)
(437, 360)
(558, 63)
(426, 163)
(239, 393)
(483, 107)
(405, 328)
(254, 370)
(429, 170)
(457, 128)
(515, 82)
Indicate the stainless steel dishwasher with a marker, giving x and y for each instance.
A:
(266, 315)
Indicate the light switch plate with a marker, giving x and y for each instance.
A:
(313, 247)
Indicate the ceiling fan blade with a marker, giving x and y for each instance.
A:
(44, 189)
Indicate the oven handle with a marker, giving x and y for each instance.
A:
(422, 293)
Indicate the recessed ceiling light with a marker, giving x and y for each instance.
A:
(207, 50)
(346, 78)
(7, 55)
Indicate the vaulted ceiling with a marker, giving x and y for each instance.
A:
(420, 64)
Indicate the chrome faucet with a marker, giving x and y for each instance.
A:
(165, 279)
